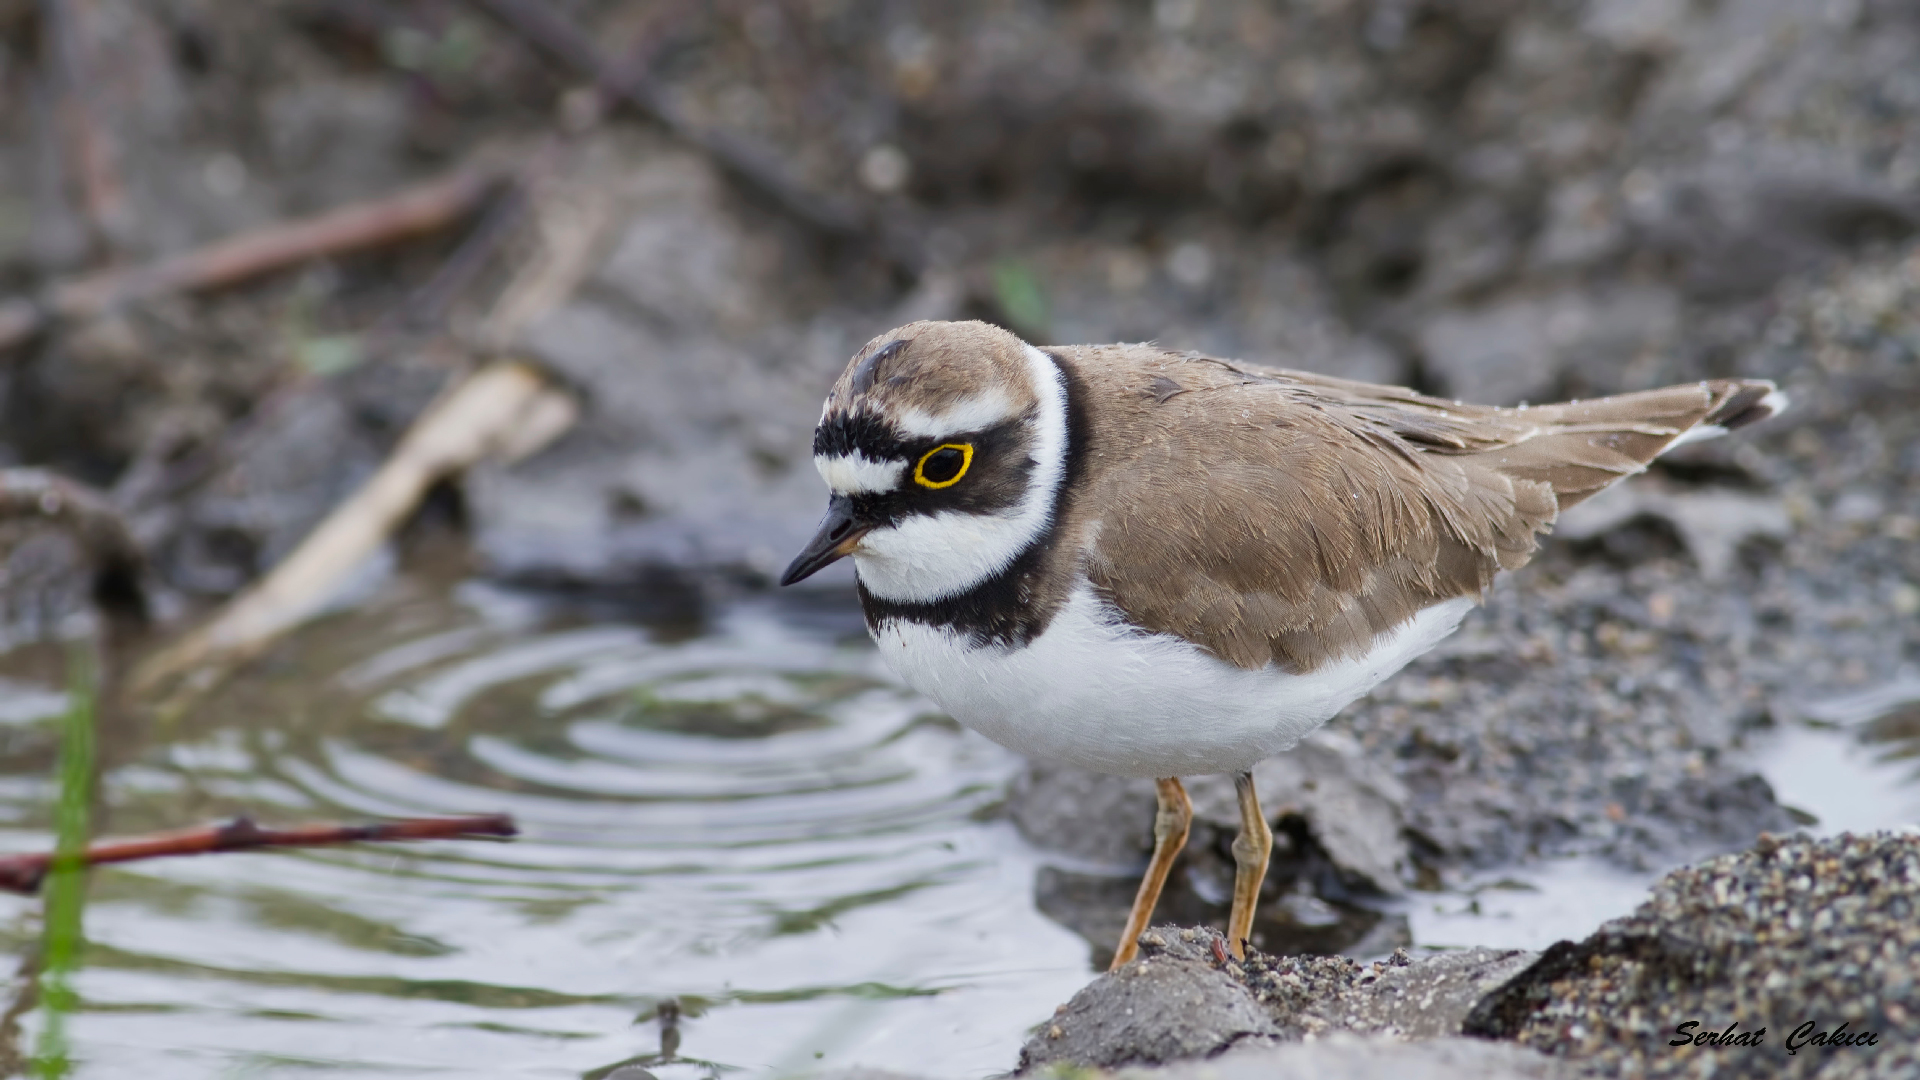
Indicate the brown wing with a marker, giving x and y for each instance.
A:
(1286, 517)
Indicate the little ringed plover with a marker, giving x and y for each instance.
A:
(1155, 563)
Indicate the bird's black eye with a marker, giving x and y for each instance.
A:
(943, 466)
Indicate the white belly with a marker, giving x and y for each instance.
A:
(1094, 692)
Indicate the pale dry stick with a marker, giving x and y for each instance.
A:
(24, 873)
(411, 212)
(571, 219)
(506, 411)
(570, 228)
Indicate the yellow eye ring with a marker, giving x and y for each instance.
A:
(966, 462)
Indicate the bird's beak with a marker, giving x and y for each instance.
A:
(839, 532)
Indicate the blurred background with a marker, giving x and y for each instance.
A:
(602, 259)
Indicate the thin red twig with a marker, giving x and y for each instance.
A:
(24, 873)
(410, 212)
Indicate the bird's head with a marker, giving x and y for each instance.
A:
(943, 445)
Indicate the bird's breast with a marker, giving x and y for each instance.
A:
(1094, 691)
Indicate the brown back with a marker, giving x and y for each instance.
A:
(1281, 516)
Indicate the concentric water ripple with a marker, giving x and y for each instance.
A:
(755, 820)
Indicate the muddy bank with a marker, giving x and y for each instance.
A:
(1494, 200)
(1803, 945)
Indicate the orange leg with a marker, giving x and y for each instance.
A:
(1169, 836)
(1250, 851)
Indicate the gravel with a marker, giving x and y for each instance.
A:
(1187, 998)
(1799, 955)
(1342, 1057)
(1797, 941)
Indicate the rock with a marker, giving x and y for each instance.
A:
(1345, 1057)
(1162, 1007)
(1352, 806)
(1404, 998)
(46, 582)
(1090, 816)
(337, 140)
(1793, 935)
(1261, 1000)
(1339, 842)
(1518, 348)
(66, 554)
(1584, 225)
(1713, 523)
(1284, 314)
(1292, 915)
(1793, 938)
(1401, 997)
(1337, 1057)
(1866, 708)
(1738, 228)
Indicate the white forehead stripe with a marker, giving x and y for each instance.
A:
(977, 413)
(927, 557)
(854, 474)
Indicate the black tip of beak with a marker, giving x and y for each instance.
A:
(799, 570)
(838, 533)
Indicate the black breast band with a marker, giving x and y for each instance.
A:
(1014, 606)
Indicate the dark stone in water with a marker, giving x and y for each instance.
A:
(1169, 1005)
(1185, 999)
(1339, 845)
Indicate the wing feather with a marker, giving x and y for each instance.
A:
(1288, 518)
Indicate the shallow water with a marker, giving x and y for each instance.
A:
(747, 817)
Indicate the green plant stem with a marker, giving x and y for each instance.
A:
(66, 881)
